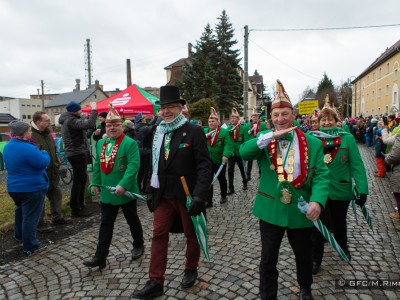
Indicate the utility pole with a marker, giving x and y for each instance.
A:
(128, 73)
(246, 71)
(42, 95)
(88, 63)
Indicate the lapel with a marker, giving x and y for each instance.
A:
(177, 138)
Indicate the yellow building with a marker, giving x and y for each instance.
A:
(376, 90)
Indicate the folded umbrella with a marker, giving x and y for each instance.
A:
(364, 209)
(218, 172)
(112, 189)
(303, 207)
(199, 222)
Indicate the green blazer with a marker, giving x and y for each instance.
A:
(124, 172)
(249, 136)
(346, 166)
(267, 204)
(223, 146)
(240, 139)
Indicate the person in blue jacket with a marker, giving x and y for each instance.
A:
(27, 183)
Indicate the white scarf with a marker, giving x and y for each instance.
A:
(163, 128)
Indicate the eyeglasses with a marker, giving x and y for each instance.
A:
(168, 107)
(113, 125)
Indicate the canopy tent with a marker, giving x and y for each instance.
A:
(129, 102)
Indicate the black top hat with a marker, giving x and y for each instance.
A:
(170, 94)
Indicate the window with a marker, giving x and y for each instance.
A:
(387, 68)
(380, 73)
(28, 105)
(29, 117)
(373, 77)
(373, 112)
(387, 90)
(38, 105)
(23, 116)
(395, 101)
(396, 75)
(373, 96)
(387, 109)
(379, 111)
(379, 93)
(23, 105)
(33, 105)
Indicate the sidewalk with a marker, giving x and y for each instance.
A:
(232, 272)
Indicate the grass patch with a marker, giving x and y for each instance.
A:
(7, 209)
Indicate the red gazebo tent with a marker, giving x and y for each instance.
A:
(129, 102)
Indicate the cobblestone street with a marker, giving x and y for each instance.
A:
(232, 272)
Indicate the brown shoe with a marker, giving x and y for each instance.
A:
(394, 216)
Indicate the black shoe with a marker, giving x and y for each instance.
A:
(80, 214)
(44, 227)
(244, 187)
(315, 267)
(61, 221)
(189, 278)
(305, 294)
(231, 191)
(37, 250)
(223, 200)
(137, 252)
(96, 262)
(208, 205)
(248, 177)
(151, 289)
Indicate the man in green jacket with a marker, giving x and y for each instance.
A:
(287, 154)
(43, 139)
(253, 129)
(220, 148)
(237, 133)
(117, 164)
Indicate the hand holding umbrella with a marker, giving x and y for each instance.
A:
(199, 222)
(112, 190)
(217, 173)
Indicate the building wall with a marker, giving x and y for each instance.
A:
(377, 92)
(22, 108)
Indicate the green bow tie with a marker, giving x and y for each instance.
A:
(287, 137)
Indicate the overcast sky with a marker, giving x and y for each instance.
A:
(44, 40)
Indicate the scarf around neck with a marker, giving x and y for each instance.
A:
(162, 129)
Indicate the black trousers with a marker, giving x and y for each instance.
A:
(109, 213)
(79, 168)
(231, 170)
(222, 183)
(271, 238)
(335, 212)
(143, 174)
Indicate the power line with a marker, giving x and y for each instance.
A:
(327, 28)
(281, 61)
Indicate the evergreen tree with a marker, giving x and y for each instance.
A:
(325, 87)
(227, 66)
(199, 75)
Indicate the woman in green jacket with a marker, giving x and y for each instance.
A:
(344, 161)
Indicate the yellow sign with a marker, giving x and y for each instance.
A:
(307, 107)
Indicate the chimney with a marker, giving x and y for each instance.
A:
(190, 46)
(77, 85)
(96, 84)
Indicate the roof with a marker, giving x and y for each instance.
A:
(6, 118)
(65, 98)
(179, 63)
(389, 52)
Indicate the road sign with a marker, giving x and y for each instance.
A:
(307, 107)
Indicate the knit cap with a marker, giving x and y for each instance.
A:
(18, 128)
(73, 107)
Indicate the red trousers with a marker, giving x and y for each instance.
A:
(380, 163)
(164, 217)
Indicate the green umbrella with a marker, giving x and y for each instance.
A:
(199, 223)
(364, 209)
(217, 173)
(285, 186)
(112, 189)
